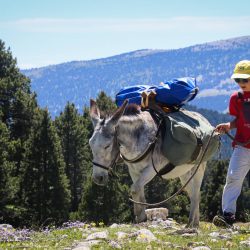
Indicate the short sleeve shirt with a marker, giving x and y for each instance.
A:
(240, 108)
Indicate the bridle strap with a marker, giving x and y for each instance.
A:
(110, 167)
(100, 166)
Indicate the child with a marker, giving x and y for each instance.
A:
(239, 107)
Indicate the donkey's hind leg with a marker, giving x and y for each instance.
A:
(193, 190)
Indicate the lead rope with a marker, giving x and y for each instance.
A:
(182, 188)
(237, 142)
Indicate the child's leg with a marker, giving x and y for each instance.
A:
(238, 168)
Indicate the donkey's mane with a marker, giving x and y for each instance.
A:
(132, 109)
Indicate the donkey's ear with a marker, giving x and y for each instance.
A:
(117, 115)
(94, 112)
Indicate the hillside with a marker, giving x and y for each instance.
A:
(78, 81)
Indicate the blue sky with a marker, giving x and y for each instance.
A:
(44, 32)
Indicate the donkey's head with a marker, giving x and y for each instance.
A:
(103, 142)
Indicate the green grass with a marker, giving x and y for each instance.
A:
(166, 239)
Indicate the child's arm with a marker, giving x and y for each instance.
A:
(225, 127)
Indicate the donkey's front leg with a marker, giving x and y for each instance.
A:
(137, 191)
(139, 210)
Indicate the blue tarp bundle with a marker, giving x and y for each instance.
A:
(176, 92)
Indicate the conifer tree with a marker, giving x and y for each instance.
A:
(212, 188)
(17, 107)
(17, 103)
(73, 137)
(5, 170)
(45, 185)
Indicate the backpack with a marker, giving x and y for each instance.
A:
(176, 92)
(186, 134)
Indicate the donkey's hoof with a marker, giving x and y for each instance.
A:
(141, 218)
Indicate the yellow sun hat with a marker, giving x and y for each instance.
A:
(242, 70)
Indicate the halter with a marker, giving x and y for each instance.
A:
(113, 163)
(138, 158)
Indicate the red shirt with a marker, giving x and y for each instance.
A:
(240, 108)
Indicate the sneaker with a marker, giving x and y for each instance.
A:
(225, 221)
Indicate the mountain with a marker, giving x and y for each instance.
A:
(78, 81)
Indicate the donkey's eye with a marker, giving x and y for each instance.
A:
(107, 146)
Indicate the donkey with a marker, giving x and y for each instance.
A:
(129, 134)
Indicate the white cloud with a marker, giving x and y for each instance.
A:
(184, 23)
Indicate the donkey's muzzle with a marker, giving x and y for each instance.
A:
(100, 179)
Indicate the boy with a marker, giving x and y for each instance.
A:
(239, 107)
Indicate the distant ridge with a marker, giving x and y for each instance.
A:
(78, 81)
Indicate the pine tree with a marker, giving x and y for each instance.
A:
(105, 103)
(5, 170)
(45, 185)
(17, 107)
(17, 103)
(107, 204)
(212, 188)
(74, 137)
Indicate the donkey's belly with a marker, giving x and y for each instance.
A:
(178, 171)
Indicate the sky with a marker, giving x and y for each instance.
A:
(46, 32)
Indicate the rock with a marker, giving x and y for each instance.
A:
(245, 243)
(6, 227)
(201, 248)
(121, 235)
(220, 236)
(195, 244)
(86, 245)
(145, 235)
(98, 235)
(114, 225)
(189, 235)
(156, 213)
(114, 244)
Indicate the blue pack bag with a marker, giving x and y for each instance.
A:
(176, 92)
(132, 94)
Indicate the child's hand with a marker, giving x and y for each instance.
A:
(223, 128)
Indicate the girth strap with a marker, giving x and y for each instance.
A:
(197, 149)
(166, 169)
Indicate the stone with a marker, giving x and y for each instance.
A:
(156, 213)
(121, 235)
(114, 244)
(145, 235)
(98, 235)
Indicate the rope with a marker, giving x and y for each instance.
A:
(243, 144)
(182, 188)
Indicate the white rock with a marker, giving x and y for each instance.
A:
(6, 227)
(220, 236)
(98, 235)
(189, 235)
(121, 235)
(214, 240)
(86, 245)
(114, 244)
(245, 243)
(145, 235)
(114, 225)
(156, 213)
